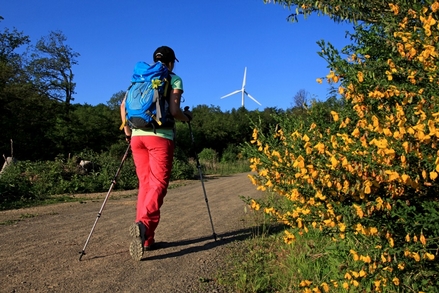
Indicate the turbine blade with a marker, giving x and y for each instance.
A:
(228, 95)
(245, 74)
(253, 98)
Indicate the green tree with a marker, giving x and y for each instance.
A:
(339, 10)
(115, 100)
(51, 67)
(23, 110)
(87, 127)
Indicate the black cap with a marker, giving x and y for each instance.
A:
(164, 54)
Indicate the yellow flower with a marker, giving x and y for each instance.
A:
(325, 287)
(356, 133)
(255, 134)
(334, 162)
(334, 115)
(329, 223)
(416, 256)
(330, 75)
(359, 211)
(377, 283)
(401, 266)
(319, 80)
(354, 254)
(394, 8)
(269, 210)
(391, 243)
(342, 227)
(355, 283)
(373, 231)
(305, 283)
(395, 281)
(360, 76)
(433, 175)
(393, 176)
(367, 190)
(289, 238)
(320, 147)
(405, 145)
(255, 205)
(429, 256)
(366, 259)
(346, 285)
(422, 239)
(319, 195)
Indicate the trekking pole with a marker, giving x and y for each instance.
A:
(201, 176)
(105, 200)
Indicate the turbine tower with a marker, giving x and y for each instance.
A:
(242, 91)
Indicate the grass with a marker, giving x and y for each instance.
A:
(43, 202)
(225, 169)
(265, 263)
(22, 217)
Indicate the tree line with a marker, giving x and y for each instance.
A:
(39, 114)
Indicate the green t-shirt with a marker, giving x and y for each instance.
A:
(168, 133)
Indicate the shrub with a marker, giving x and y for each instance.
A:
(182, 170)
(364, 172)
(230, 154)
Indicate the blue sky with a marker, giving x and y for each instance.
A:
(214, 41)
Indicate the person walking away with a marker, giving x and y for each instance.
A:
(153, 151)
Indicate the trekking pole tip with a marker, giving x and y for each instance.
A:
(81, 254)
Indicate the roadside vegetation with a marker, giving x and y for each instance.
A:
(354, 184)
(27, 183)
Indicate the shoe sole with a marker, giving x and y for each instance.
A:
(136, 245)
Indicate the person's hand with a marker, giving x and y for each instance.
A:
(128, 133)
(187, 113)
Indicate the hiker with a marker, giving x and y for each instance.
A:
(153, 150)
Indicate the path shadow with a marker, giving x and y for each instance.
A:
(222, 239)
(205, 242)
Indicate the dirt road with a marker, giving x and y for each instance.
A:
(39, 248)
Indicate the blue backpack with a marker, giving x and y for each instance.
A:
(145, 100)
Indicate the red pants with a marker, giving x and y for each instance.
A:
(153, 159)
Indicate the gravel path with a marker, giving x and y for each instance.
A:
(39, 248)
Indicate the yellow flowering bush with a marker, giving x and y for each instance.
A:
(363, 170)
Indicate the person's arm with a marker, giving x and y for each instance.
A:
(123, 116)
(174, 106)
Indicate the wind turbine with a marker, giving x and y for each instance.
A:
(243, 91)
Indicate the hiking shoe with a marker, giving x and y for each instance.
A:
(137, 231)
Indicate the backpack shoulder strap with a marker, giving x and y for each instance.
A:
(124, 119)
